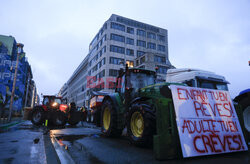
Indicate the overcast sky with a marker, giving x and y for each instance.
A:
(212, 35)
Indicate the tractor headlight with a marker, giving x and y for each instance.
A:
(54, 104)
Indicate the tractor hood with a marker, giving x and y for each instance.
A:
(156, 90)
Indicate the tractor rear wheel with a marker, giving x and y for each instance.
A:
(59, 118)
(74, 118)
(109, 120)
(141, 124)
(246, 118)
(37, 116)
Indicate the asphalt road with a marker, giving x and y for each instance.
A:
(25, 143)
(85, 144)
(22, 143)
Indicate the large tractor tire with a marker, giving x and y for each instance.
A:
(246, 117)
(109, 120)
(74, 118)
(141, 124)
(37, 116)
(59, 118)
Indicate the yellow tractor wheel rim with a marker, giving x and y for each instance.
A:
(106, 118)
(137, 124)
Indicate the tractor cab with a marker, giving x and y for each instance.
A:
(131, 80)
(52, 101)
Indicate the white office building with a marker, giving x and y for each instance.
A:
(120, 40)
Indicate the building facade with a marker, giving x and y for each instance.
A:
(23, 91)
(120, 40)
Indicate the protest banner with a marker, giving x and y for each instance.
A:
(207, 121)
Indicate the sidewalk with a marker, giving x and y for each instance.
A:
(4, 125)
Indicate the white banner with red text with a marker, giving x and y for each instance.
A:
(207, 121)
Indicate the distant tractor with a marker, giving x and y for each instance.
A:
(57, 113)
(94, 114)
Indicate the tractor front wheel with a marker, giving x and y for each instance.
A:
(141, 124)
(74, 118)
(109, 120)
(37, 116)
(59, 118)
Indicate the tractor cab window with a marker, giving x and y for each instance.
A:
(120, 81)
(46, 101)
(140, 80)
(123, 84)
(58, 101)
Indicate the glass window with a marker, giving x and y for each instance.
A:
(130, 30)
(113, 72)
(104, 38)
(141, 32)
(141, 43)
(161, 38)
(118, 38)
(116, 61)
(151, 45)
(103, 49)
(130, 63)
(117, 26)
(46, 101)
(161, 48)
(142, 60)
(151, 35)
(130, 52)
(103, 61)
(130, 41)
(140, 80)
(140, 53)
(117, 49)
(159, 59)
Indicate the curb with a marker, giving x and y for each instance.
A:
(62, 153)
(7, 126)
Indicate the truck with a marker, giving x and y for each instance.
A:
(53, 110)
(197, 78)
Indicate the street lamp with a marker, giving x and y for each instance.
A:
(19, 50)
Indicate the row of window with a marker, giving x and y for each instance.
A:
(137, 24)
(98, 65)
(140, 43)
(100, 75)
(150, 45)
(117, 61)
(98, 35)
(139, 32)
(121, 50)
(100, 42)
(97, 56)
(121, 38)
(159, 59)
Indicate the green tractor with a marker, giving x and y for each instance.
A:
(134, 105)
